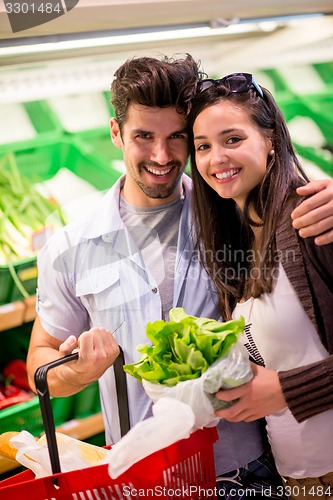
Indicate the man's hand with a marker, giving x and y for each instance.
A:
(98, 351)
(314, 215)
(69, 345)
(258, 398)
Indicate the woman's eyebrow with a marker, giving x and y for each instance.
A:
(223, 132)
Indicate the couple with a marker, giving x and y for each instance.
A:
(136, 256)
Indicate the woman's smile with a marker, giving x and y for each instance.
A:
(226, 175)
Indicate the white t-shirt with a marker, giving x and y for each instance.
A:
(280, 336)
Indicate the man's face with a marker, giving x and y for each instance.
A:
(155, 148)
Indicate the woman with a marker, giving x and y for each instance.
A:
(245, 173)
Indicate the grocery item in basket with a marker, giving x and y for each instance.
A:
(7, 449)
(190, 359)
(172, 421)
(73, 454)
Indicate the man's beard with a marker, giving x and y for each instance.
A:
(160, 191)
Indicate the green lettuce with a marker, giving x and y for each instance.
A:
(183, 348)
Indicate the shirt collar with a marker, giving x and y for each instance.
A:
(105, 217)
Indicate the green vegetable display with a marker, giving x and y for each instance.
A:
(183, 348)
(23, 211)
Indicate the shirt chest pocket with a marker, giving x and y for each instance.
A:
(100, 293)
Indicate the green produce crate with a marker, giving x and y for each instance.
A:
(42, 163)
(297, 106)
(278, 86)
(27, 416)
(320, 154)
(16, 344)
(86, 402)
(43, 121)
(93, 138)
(325, 70)
(26, 270)
(322, 105)
(97, 141)
(320, 157)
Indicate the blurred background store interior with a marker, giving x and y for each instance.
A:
(65, 66)
(55, 109)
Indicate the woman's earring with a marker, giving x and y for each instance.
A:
(272, 152)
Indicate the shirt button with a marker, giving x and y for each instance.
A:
(154, 290)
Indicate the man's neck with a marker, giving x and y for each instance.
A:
(134, 195)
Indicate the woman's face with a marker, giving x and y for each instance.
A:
(230, 150)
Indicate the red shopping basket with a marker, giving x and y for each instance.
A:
(183, 470)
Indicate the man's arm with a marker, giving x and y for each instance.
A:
(98, 351)
(314, 216)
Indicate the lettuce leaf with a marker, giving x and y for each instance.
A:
(183, 348)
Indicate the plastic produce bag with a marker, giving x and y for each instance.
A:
(190, 359)
(73, 454)
(231, 370)
(172, 420)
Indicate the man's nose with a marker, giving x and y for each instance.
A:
(162, 153)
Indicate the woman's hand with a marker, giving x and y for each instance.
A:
(314, 216)
(258, 398)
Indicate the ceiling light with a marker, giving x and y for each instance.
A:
(129, 38)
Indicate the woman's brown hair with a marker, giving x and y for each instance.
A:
(224, 232)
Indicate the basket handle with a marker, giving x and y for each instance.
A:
(46, 407)
(122, 396)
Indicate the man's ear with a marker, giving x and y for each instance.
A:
(115, 133)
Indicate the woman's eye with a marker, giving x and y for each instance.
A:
(233, 140)
(202, 147)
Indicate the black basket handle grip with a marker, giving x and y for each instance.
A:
(46, 407)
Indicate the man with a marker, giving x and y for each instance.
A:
(132, 260)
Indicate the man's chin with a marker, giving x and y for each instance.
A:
(158, 193)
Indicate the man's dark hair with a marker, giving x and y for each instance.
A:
(153, 82)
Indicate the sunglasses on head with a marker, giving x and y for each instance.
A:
(236, 82)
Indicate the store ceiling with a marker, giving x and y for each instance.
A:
(105, 15)
(308, 40)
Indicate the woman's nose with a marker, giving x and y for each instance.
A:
(218, 155)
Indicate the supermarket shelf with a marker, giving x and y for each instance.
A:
(18, 312)
(83, 428)
(79, 429)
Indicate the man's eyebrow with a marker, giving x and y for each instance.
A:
(140, 131)
(179, 132)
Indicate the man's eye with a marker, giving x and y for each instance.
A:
(179, 136)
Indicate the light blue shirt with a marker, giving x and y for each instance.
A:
(91, 273)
